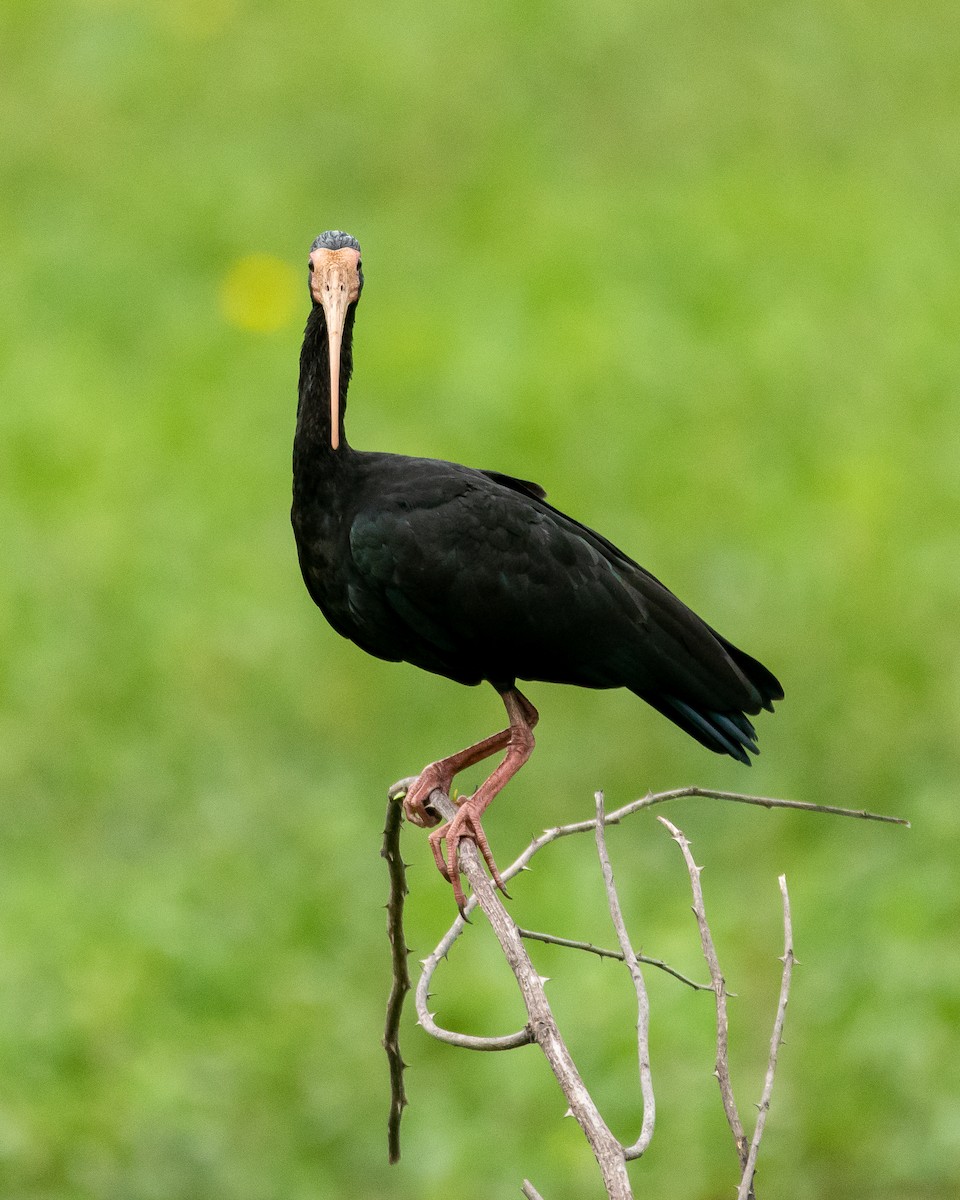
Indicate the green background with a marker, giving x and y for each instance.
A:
(696, 269)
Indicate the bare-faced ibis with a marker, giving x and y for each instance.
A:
(472, 575)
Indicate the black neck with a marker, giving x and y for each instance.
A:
(313, 409)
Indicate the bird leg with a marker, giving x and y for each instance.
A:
(518, 739)
(440, 775)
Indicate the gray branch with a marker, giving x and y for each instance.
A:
(541, 1026)
(643, 1002)
(746, 1183)
(522, 863)
(541, 1023)
(722, 1069)
(427, 1019)
(550, 939)
(390, 852)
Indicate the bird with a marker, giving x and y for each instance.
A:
(473, 575)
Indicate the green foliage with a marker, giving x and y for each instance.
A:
(695, 269)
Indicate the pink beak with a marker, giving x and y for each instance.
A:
(335, 284)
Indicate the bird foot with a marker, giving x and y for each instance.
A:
(416, 803)
(466, 824)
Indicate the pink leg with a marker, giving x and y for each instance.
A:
(518, 739)
(441, 775)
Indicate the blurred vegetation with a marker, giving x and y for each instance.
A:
(697, 270)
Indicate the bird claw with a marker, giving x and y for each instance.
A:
(416, 803)
(466, 824)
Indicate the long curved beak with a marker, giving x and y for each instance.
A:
(335, 285)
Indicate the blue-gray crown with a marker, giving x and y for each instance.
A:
(335, 239)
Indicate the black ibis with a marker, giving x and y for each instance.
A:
(472, 575)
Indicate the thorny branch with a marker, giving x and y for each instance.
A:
(722, 1069)
(643, 1003)
(748, 1157)
(651, 799)
(745, 1190)
(390, 851)
(541, 1026)
(550, 939)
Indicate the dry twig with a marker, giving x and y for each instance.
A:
(390, 851)
(541, 1024)
(722, 1068)
(643, 1003)
(651, 799)
(550, 939)
(747, 1156)
(746, 1183)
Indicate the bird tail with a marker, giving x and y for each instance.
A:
(765, 683)
(725, 730)
(722, 732)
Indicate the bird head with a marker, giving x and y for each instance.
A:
(336, 281)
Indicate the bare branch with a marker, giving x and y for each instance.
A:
(551, 939)
(541, 1027)
(719, 987)
(390, 851)
(760, 801)
(529, 1191)
(542, 1024)
(427, 1019)
(643, 1003)
(522, 863)
(746, 1183)
(401, 978)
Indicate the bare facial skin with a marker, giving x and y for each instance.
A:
(335, 285)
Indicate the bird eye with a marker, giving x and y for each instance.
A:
(310, 265)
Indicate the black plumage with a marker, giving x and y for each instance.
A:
(473, 575)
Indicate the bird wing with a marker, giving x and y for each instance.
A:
(435, 554)
(477, 579)
(760, 679)
(526, 487)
